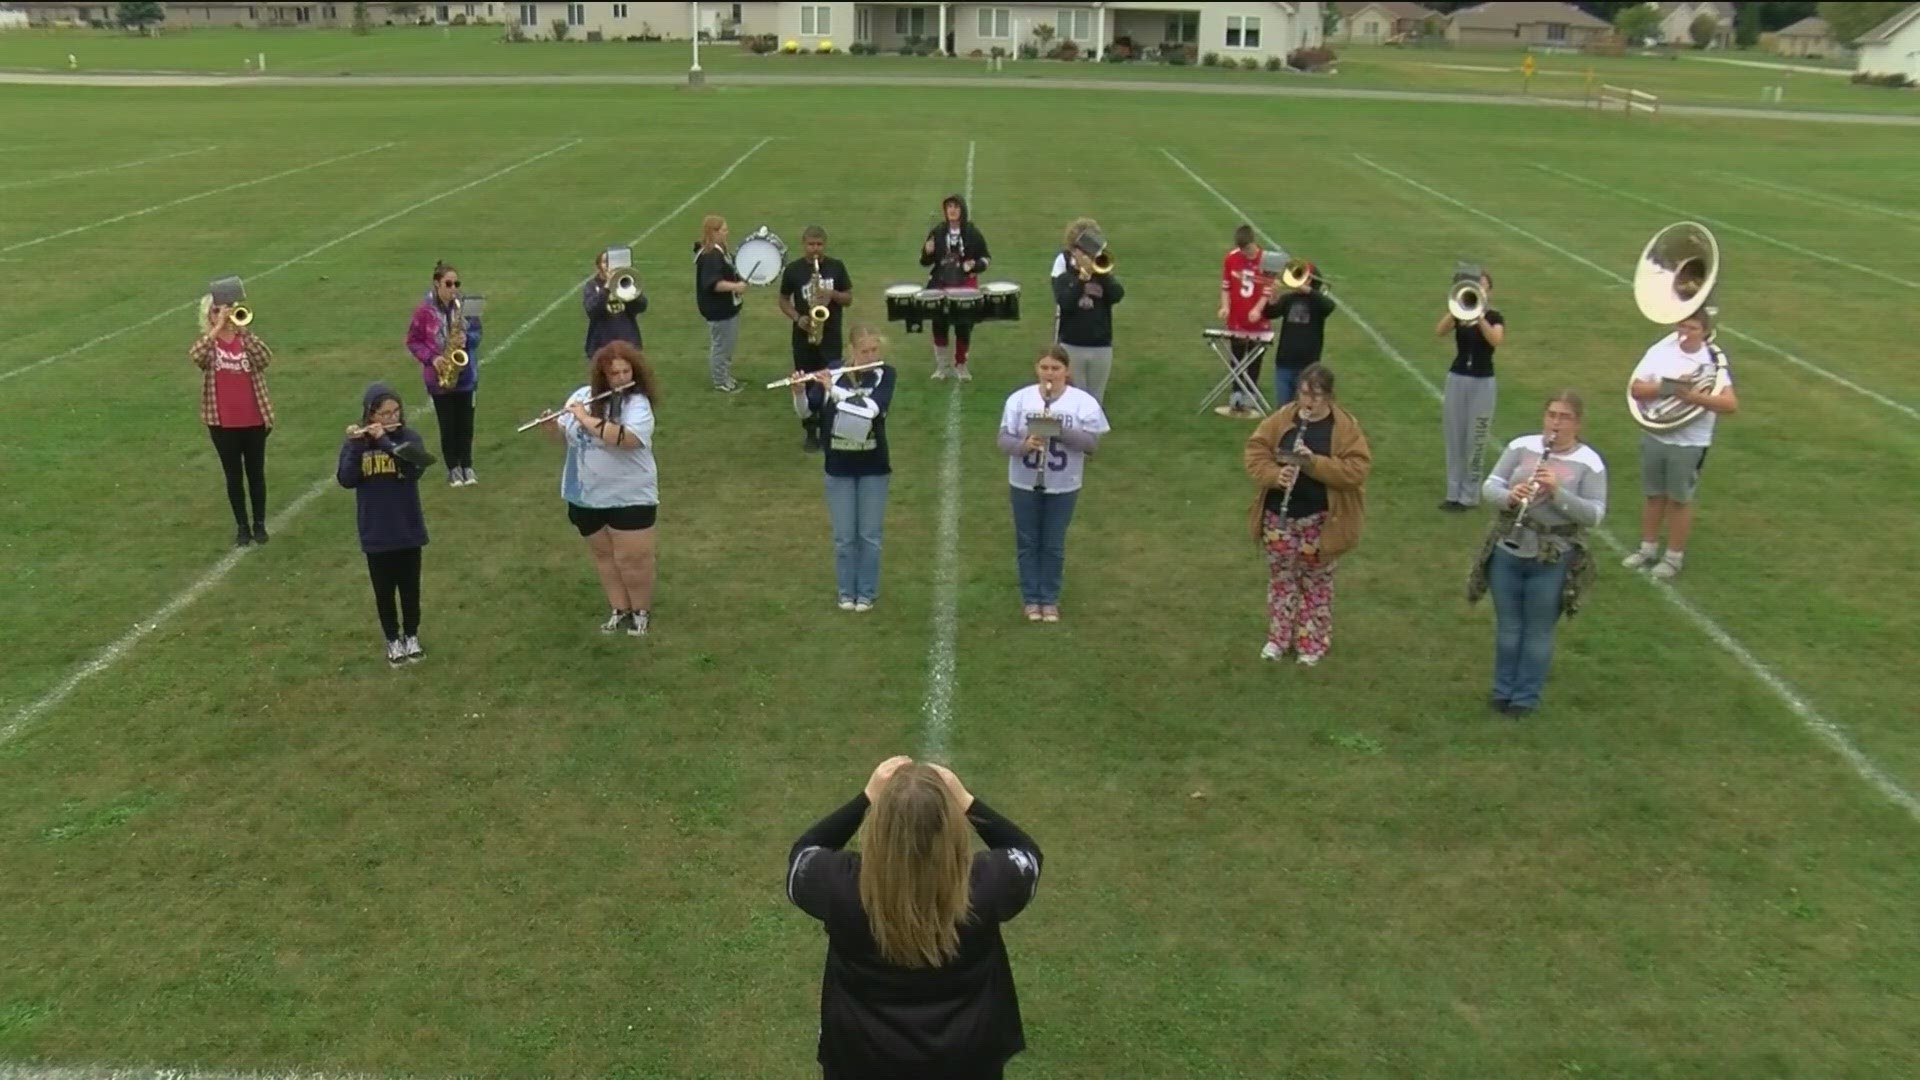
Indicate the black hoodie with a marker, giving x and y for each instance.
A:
(947, 255)
(385, 477)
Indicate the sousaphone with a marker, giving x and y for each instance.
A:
(1676, 277)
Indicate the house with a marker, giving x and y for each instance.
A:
(1376, 22)
(1810, 37)
(1525, 24)
(1892, 48)
(1676, 23)
(188, 16)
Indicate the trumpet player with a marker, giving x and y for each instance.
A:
(381, 461)
(1309, 462)
(1083, 307)
(609, 319)
(815, 291)
(1466, 413)
(1549, 488)
(1670, 461)
(234, 404)
(438, 337)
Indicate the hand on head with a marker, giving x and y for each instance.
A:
(877, 783)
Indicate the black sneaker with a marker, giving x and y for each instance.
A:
(241, 537)
(260, 533)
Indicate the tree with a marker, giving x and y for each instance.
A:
(1637, 23)
(1704, 27)
(362, 22)
(1747, 22)
(1848, 21)
(141, 15)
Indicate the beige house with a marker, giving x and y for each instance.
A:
(1525, 24)
(1676, 23)
(1810, 37)
(1376, 22)
(188, 16)
(1893, 47)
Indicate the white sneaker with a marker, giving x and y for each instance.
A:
(963, 374)
(941, 371)
(614, 622)
(396, 653)
(846, 604)
(1307, 661)
(411, 648)
(1270, 651)
(454, 479)
(466, 475)
(863, 605)
(637, 624)
(1637, 559)
(1664, 570)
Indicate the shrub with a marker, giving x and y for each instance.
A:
(1312, 58)
(1249, 63)
(1274, 63)
(1029, 51)
(560, 29)
(997, 53)
(1212, 59)
(762, 44)
(459, 19)
(977, 54)
(824, 47)
(790, 48)
(1173, 52)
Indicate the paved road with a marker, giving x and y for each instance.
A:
(961, 82)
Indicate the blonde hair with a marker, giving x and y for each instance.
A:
(916, 862)
(1078, 226)
(1575, 404)
(710, 227)
(866, 333)
(206, 306)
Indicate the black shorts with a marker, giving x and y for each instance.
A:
(590, 520)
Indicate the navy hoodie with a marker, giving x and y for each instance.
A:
(386, 488)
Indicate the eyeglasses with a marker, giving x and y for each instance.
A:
(451, 284)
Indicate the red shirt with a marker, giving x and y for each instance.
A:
(1240, 278)
(233, 386)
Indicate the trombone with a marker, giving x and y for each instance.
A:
(1091, 255)
(623, 284)
(240, 315)
(1296, 273)
(555, 414)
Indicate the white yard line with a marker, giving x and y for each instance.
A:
(1905, 217)
(937, 708)
(1728, 226)
(34, 1072)
(196, 197)
(114, 652)
(11, 184)
(1808, 365)
(302, 257)
(1822, 728)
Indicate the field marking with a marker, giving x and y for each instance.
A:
(936, 708)
(302, 257)
(196, 197)
(1905, 217)
(1728, 226)
(1841, 380)
(11, 184)
(55, 1072)
(1822, 728)
(113, 653)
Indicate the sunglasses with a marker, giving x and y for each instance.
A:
(451, 284)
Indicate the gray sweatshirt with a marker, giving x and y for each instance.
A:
(1580, 498)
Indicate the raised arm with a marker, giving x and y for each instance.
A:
(1012, 862)
(807, 884)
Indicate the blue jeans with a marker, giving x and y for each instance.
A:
(857, 504)
(1526, 609)
(1284, 379)
(1040, 523)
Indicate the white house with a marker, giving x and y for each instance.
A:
(1676, 23)
(1893, 47)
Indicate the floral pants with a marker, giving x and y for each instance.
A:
(1300, 586)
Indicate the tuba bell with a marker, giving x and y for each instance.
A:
(1674, 280)
(1465, 302)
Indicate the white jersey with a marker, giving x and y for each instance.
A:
(1666, 360)
(1065, 467)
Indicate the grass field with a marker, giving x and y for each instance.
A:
(242, 842)
(1682, 80)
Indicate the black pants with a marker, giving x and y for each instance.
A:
(962, 332)
(455, 412)
(243, 452)
(990, 1072)
(396, 572)
(1241, 347)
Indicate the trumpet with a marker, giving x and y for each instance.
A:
(819, 313)
(555, 414)
(799, 377)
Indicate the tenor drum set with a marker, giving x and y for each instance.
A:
(913, 305)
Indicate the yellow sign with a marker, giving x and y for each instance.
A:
(1526, 66)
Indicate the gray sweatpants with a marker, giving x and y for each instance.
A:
(1467, 418)
(1092, 364)
(721, 338)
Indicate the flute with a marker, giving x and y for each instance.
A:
(799, 377)
(557, 413)
(356, 431)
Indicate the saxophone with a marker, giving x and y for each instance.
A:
(453, 356)
(819, 313)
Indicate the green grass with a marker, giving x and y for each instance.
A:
(543, 852)
(1681, 79)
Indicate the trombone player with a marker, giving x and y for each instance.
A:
(1466, 412)
(613, 301)
(1084, 292)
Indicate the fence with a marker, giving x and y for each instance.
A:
(1625, 99)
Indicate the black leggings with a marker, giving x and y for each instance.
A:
(455, 412)
(988, 1072)
(962, 331)
(243, 451)
(396, 571)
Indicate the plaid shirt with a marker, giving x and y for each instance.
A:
(258, 357)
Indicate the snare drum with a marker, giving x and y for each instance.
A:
(900, 306)
(761, 257)
(1002, 301)
(931, 302)
(965, 303)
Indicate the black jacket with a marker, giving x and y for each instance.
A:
(712, 266)
(1091, 326)
(885, 1022)
(604, 326)
(945, 260)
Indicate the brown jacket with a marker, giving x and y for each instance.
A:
(1344, 474)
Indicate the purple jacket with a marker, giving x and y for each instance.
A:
(427, 337)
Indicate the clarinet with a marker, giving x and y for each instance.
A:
(1286, 497)
(1040, 471)
(1526, 504)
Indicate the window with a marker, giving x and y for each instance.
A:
(816, 20)
(1076, 24)
(619, 11)
(1243, 31)
(576, 14)
(996, 22)
(1556, 31)
(470, 13)
(1183, 27)
(529, 14)
(441, 13)
(301, 14)
(910, 22)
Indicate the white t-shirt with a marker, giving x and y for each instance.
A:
(598, 476)
(1065, 466)
(1665, 360)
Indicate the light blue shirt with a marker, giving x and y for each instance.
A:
(600, 477)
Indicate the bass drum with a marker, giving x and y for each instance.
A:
(1002, 301)
(761, 257)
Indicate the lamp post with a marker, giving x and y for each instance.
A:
(696, 77)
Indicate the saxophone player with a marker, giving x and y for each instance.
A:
(810, 284)
(438, 334)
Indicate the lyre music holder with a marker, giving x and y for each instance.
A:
(1222, 343)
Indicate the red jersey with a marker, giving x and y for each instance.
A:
(1240, 281)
